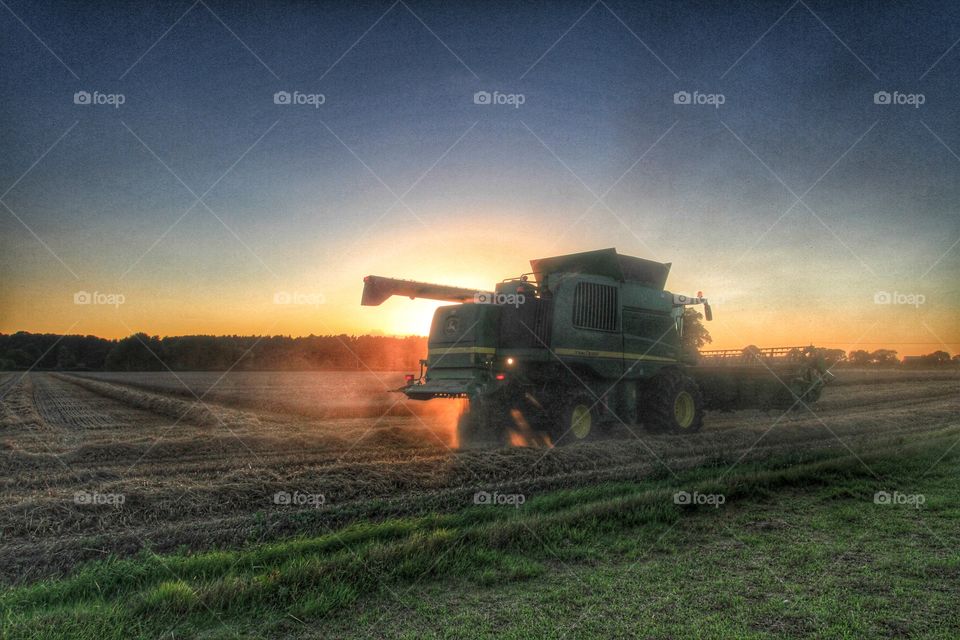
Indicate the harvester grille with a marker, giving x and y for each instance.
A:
(595, 306)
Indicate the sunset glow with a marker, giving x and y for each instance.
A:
(304, 202)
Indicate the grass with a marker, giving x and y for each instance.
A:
(802, 563)
(669, 568)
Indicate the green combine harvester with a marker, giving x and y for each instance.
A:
(583, 343)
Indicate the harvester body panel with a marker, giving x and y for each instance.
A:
(463, 344)
(586, 332)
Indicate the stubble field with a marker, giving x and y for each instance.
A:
(115, 465)
(206, 473)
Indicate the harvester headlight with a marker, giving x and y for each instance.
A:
(510, 362)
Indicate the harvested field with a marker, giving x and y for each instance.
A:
(316, 394)
(205, 475)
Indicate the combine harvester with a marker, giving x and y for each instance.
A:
(593, 340)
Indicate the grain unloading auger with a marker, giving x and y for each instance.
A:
(592, 339)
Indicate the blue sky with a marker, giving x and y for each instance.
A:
(306, 199)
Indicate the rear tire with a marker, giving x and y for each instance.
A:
(577, 420)
(672, 403)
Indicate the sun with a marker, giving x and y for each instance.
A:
(405, 317)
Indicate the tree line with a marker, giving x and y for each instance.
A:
(142, 352)
(881, 358)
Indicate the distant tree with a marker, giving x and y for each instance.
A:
(66, 357)
(859, 358)
(884, 358)
(832, 356)
(138, 352)
(695, 334)
(21, 358)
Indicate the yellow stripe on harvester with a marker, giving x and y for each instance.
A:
(586, 353)
(444, 352)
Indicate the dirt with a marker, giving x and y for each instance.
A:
(205, 474)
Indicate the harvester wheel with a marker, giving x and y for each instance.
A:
(577, 420)
(672, 403)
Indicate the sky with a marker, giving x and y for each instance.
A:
(798, 163)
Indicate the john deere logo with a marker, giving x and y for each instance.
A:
(452, 326)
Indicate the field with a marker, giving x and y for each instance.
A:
(317, 504)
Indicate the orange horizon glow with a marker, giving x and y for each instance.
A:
(750, 306)
(399, 317)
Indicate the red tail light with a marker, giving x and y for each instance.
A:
(501, 376)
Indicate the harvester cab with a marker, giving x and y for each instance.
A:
(592, 339)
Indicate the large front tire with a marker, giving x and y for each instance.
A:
(672, 403)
